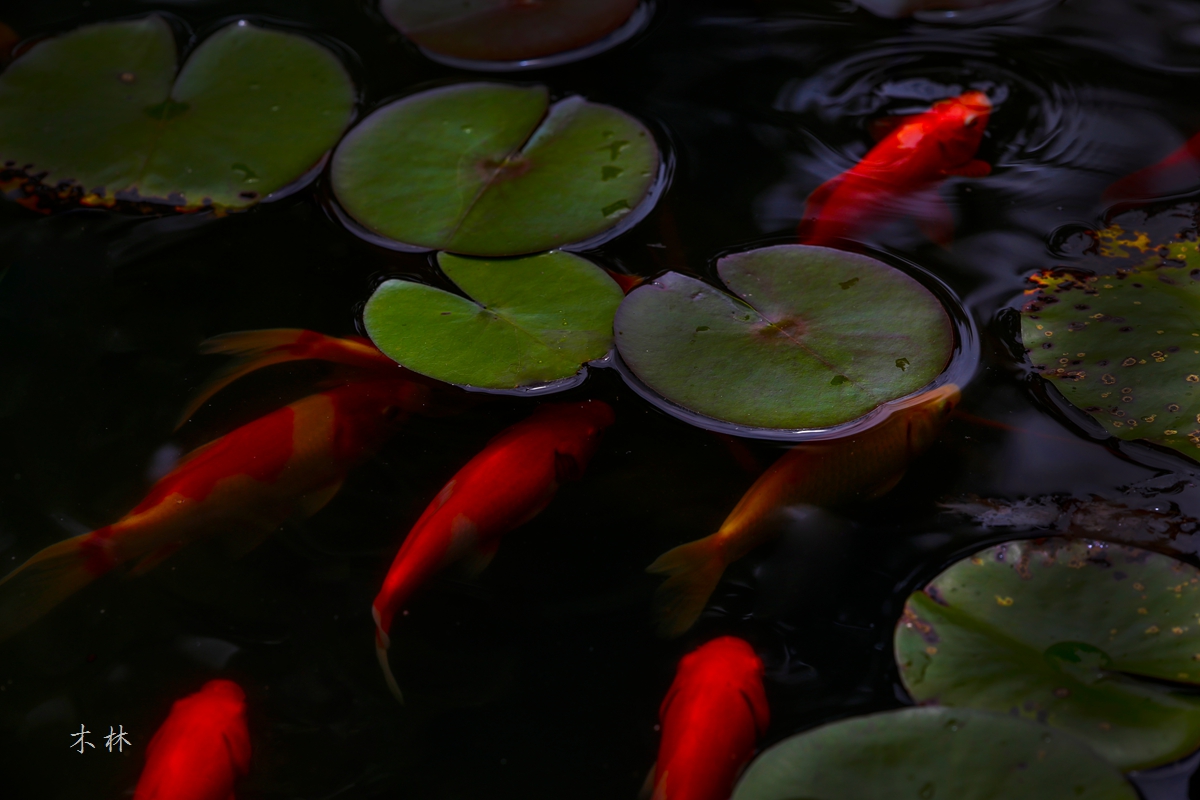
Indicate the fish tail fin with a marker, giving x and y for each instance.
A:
(693, 571)
(51, 576)
(382, 643)
(253, 350)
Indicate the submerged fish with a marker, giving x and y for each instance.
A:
(1176, 174)
(244, 484)
(821, 473)
(201, 749)
(503, 487)
(712, 718)
(898, 176)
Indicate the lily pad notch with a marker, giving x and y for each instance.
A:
(491, 169)
(527, 325)
(105, 114)
(808, 342)
(502, 36)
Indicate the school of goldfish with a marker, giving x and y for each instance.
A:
(246, 483)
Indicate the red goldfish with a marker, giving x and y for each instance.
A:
(201, 749)
(502, 488)
(822, 473)
(244, 484)
(1177, 173)
(891, 179)
(712, 718)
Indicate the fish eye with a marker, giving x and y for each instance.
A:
(391, 413)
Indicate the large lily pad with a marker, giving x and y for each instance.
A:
(492, 169)
(1100, 639)
(504, 31)
(814, 337)
(931, 754)
(1124, 344)
(102, 109)
(531, 321)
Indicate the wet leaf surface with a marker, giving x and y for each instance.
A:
(1098, 639)
(811, 337)
(500, 30)
(1148, 523)
(529, 321)
(1124, 344)
(101, 109)
(493, 169)
(931, 753)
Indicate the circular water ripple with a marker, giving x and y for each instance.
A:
(1055, 140)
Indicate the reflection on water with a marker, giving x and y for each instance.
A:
(545, 671)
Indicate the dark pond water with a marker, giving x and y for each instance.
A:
(543, 676)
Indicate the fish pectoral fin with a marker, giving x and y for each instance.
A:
(566, 468)
(477, 559)
(975, 168)
(883, 488)
(152, 560)
(935, 219)
(317, 499)
(648, 784)
(238, 542)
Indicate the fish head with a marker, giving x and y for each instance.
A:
(927, 414)
(959, 123)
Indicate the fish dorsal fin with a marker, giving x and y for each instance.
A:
(254, 350)
(882, 127)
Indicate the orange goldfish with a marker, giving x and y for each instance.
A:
(502, 488)
(712, 718)
(1177, 173)
(202, 748)
(890, 179)
(822, 473)
(244, 484)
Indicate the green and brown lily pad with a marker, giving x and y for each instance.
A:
(525, 322)
(507, 31)
(104, 113)
(1099, 639)
(806, 337)
(491, 169)
(1119, 336)
(932, 753)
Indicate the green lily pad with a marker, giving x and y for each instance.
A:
(504, 31)
(491, 169)
(526, 321)
(813, 338)
(101, 108)
(1102, 640)
(1124, 344)
(930, 754)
